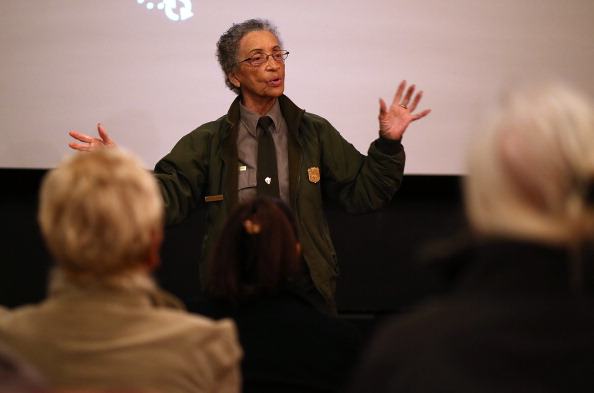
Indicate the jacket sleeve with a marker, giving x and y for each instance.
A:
(183, 174)
(359, 183)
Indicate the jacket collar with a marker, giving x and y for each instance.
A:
(136, 289)
(233, 118)
(250, 119)
(291, 112)
(293, 116)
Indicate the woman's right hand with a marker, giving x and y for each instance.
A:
(90, 143)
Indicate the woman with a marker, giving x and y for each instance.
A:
(289, 346)
(105, 323)
(521, 317)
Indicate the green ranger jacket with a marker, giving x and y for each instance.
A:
(202, 168)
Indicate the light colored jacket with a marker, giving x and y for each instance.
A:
(128, 336)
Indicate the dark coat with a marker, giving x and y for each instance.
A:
(521, 319)
(203, 166)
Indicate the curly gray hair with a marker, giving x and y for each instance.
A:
(228, 44)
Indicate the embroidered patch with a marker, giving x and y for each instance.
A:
(313, 174)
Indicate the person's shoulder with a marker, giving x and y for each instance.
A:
(10, 317)
(4, 312)
(197, 328)
(24, 321)
(315, 120)
(217, 340)
(192, 320)
(222, 325)
(413, 330)
(202, 346)
(316, 126)
(308, 121)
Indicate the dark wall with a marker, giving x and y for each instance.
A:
(24, 262)
(377, 252)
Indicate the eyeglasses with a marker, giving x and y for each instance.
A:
(260, 58)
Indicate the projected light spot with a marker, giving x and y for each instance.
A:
(173, 11)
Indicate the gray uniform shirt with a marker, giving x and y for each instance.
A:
(247, 152)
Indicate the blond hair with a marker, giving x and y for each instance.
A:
(531, 174)
(98, 213)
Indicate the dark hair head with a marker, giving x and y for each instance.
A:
(256, 253)
(228, 45)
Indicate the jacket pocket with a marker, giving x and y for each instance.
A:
(246, 184)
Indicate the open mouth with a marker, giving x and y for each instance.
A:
(275, 82)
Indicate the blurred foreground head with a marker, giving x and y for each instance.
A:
(101, 215)
(257, 253)
(531, 174)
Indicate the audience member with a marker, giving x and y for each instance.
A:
(521, 316)
(105, 324)
(289, 345)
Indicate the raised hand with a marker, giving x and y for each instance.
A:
(394, 120)
(91, 143)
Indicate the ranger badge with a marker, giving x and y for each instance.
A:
(313, 174)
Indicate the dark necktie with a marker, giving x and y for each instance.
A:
(267, 170)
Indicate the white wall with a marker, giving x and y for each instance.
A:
(70, 64)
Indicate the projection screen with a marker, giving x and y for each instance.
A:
(147, 69)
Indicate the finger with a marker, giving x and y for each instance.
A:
(103, 134)
(421, 114)
(409, 93)
(416, 101)
(383, 108)
(81, 137)
(78, 146)
(399, 92)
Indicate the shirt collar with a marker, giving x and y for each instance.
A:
(250, 119)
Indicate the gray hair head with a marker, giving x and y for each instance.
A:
(531, 173)
(228, 45)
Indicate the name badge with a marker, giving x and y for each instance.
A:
(213, 198)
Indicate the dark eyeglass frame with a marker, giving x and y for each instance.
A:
(282, 53)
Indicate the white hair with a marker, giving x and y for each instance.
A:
(98, 213)
(531, 174)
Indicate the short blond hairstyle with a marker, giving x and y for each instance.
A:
(531, 174)
(98, 212)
